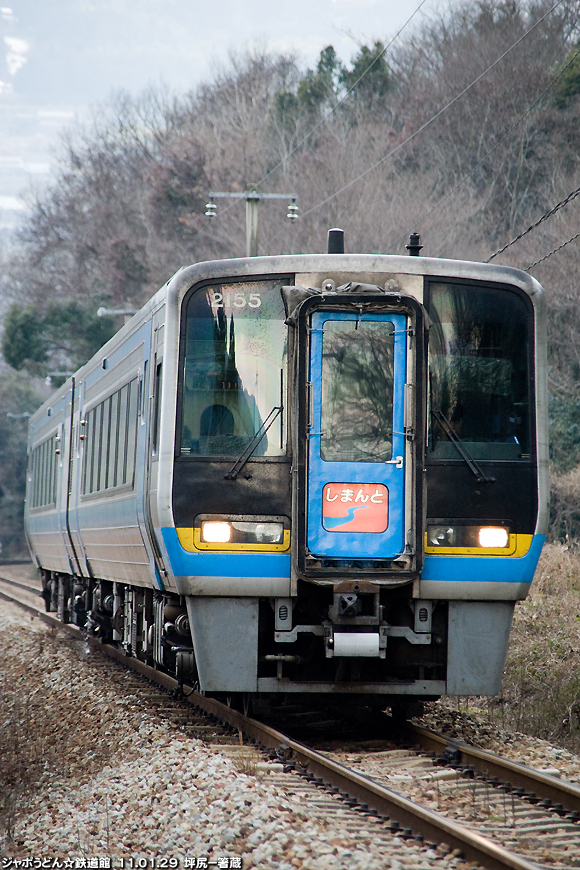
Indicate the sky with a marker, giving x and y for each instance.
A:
(59, 58)
(76, 51)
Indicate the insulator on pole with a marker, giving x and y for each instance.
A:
(293, 210)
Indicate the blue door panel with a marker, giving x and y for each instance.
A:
(356, 508)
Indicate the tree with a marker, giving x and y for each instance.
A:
(509, 154)
(406, 150)
(320, 88)
(370, 78)
(62, 338)
(18, 400)
(568, 85)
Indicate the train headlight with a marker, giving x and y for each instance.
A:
(216, 532)
(241, 533)
(493, 536)
(457, 538)
(441, 536)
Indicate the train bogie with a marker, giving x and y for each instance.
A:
(319, 475)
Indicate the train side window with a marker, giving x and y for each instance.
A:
(97, 452)
(43, 464)
(132, 430)
(122, 439)
(110, 441)
(113, 441)
(43, 474)
(104, 444)
(39, 469)
(47, 472)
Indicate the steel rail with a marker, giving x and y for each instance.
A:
(534, 782)
(432, 826)
(22, 584)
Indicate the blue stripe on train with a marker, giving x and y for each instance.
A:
(489, 569)
(472, 569)
(185, 564)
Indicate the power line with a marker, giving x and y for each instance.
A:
(555, 251)
(337, 104)
(347, 94)
(482, 161)
(537, 223)
(433, 118)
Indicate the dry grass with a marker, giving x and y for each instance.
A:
(541, 687)
(565, 507)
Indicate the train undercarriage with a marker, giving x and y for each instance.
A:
(154, 627)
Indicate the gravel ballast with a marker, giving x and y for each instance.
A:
(91, 780)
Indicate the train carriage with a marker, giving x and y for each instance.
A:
(314, 474)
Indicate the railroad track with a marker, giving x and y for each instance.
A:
(557, 802)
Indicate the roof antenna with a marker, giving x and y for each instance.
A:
(336, 241)
(414, 245)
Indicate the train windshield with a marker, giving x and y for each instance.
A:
(479, 350)
(234, 370)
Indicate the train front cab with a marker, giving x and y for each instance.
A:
(355, 488)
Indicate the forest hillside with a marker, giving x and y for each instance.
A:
(466, 129)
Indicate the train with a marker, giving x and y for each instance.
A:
(312, 476)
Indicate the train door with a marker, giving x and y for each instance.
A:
(356, 435)
(67, 449)
(77, 444)
(151, 423)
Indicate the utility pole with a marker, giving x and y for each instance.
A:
(252, 197)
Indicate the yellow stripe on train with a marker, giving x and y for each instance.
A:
(190, 540)
(518, 545)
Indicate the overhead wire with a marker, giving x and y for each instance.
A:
(432, 119)
(482, 161)
(339, 102)
(537, 223)
(333, 109)
(555, 251)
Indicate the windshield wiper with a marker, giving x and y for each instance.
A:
(461, 448)
(251, 445)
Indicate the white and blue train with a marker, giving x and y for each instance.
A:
(316, 474)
